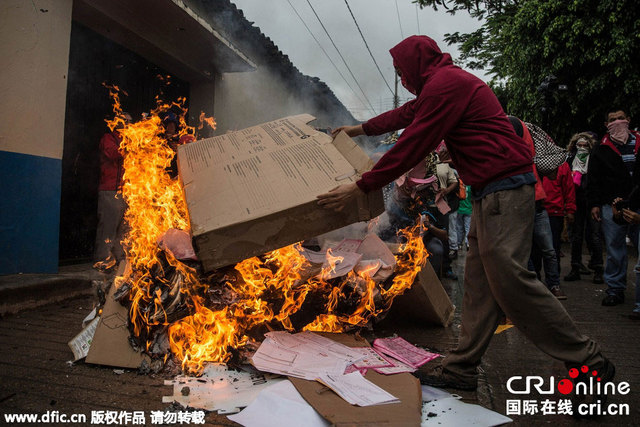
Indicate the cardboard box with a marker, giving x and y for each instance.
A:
(339, 412)
(254, 190)
(426, 300)
(110, 345)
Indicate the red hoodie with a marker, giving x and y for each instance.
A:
(561, 196)
(110, 162)
(453, 105)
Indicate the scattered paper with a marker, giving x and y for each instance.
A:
(81, 343)
(450, 411)
(89, 317)
(300, 356)
(371, 359)
(357, 390)
(432, 393)
(279, 405)
(404, 351)
(397, 367)
(219, 388)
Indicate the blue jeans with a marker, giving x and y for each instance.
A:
(453, 231)
(464, 223)
(543, 247)
(615, 270)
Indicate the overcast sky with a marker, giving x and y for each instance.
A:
(383, 26)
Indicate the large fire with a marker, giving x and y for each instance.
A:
(274, 291)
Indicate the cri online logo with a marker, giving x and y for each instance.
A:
(592, 385)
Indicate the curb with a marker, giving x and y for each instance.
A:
(32, 293)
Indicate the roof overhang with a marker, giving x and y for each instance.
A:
(165, 32)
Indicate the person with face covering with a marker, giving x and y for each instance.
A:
(584, 226)
(613, 167)
(454, 105)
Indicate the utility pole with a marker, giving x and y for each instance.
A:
(395, 94)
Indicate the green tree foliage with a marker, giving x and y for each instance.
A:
(591, 46)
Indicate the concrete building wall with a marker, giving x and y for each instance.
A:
(33, 81)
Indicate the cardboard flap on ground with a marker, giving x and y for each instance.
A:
(339, 412)
(426, 300)
(110, 345)
(254, 190)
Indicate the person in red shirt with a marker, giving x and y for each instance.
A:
(560, 202)
(456, 106)
(111, 205)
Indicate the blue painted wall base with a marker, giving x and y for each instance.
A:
(29, 213)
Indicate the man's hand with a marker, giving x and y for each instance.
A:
(630, 216)
(595, 213)
(338, 198)
(350, 130)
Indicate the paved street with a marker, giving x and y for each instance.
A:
(35, 376)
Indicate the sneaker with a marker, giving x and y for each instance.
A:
(453, 254)
(573, 275)
(597, 277)
(611, 300)
(440, 379)
(557, 292)
(635, 315)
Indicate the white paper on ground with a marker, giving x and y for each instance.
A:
(80, 344)
(450, 411)
(279, 405)
(220, 389)
(301, 361)
(357, 390)
(432, 393)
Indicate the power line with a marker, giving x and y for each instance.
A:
(367, 46)
(399, 21)
(326, 54)
(417, 18)
(342, 57)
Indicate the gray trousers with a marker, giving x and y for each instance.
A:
(496, 280)
(111, 226)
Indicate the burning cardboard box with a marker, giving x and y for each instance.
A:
(254, 190)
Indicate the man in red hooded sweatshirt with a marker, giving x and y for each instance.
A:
(456, 106)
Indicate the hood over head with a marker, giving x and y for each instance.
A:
(417, 58)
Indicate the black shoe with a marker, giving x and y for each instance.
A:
(573, 275)
(583, 269)
(611, 300)
(597, 277)
(442, 380)
(605, 372)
